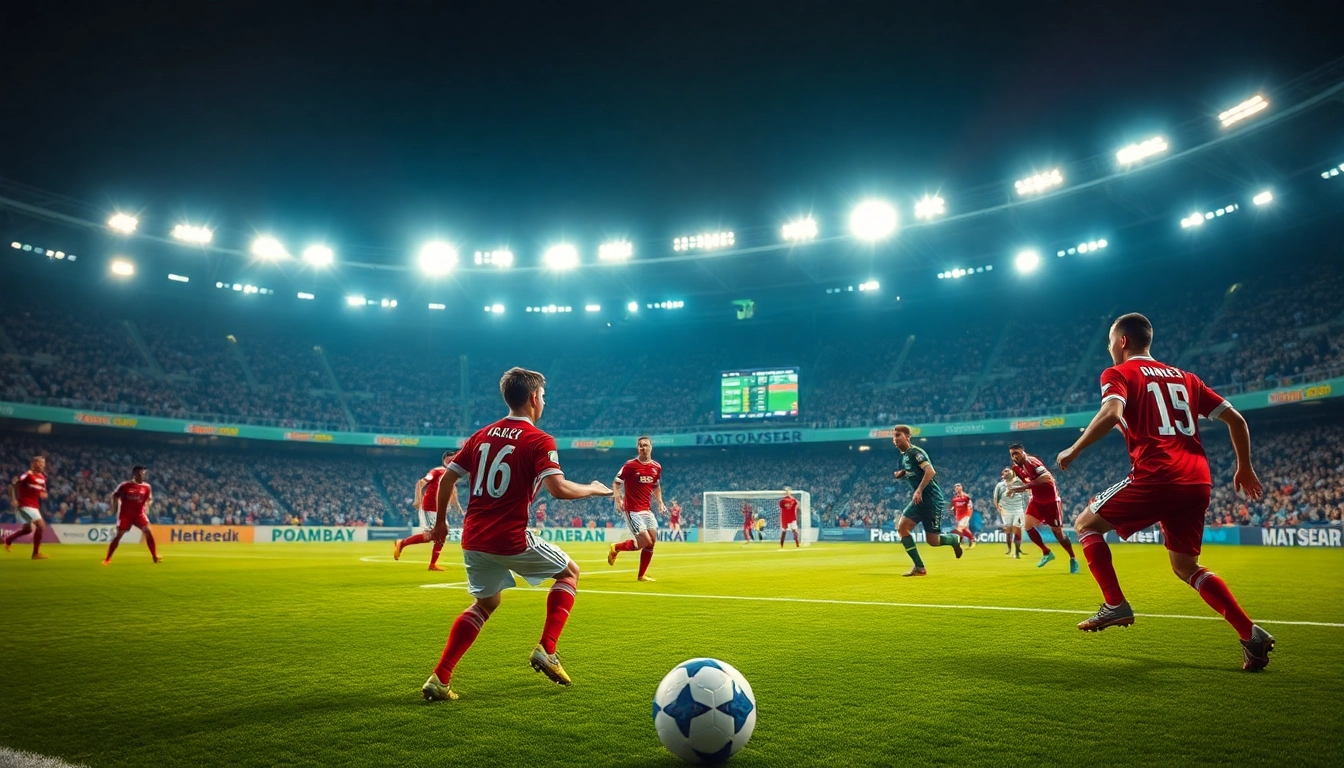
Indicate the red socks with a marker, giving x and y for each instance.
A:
(112, 546)
(626, 546)
(149, 542)
(25, 530)
(965, 533)
(645, 557)
(1036, 539)
(460, 637)
(415, 538)
(1098, 554)
(558, 604)
(434, 556)
(1215, 592)
(37, 538)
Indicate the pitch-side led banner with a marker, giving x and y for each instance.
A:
(91, 534)
(309, 534)
(203, 534)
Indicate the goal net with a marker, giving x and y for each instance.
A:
(724, 518)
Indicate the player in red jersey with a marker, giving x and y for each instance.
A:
(26, 495)
(130, 503)
(962, 507)
(1157, 409)
(427, 491)
(674, 517)
(505, 463)
(639, 480)
(1045, 506)
(788, 517)
(748, 521)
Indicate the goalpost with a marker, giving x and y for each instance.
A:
(722, 519)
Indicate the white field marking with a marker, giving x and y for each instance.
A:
(174, 554)
(17, 758)
(928, 606)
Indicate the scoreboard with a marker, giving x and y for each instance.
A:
(764, 394)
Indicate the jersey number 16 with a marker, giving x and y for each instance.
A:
(499, 472)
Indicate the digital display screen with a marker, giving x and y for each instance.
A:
(758, 394)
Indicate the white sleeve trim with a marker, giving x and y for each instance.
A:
(458, 470)
(1122, 400)
(1218, 409)
(548, 472)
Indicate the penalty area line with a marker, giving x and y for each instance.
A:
(885, 604)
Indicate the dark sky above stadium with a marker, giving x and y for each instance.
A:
(376, 122)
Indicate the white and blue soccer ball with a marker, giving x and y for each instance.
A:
(704, 711)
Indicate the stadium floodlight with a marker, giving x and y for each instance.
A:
(1136, 152)
(871, 285)
(355, 301)
(801, 229)
(1332, 172)
(438, 258)
(179, 278)
(188, 233)
(707, 241)
(561, 257)
(319, 255)
(617, 250)
(1040, 182)
(930, 207)
(306, 296)
(122, 268)
(1027, 261)
(433, 305)
(960, 272)
(1197, 219)
(592, 308)
(268, 248)
(873, 220)
(496, 309)
(1264, 198)
(1088, 247)
(1243, 110)
(123, 223)
(632, 307)
(502, 258)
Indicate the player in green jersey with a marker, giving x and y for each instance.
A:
(926, 505)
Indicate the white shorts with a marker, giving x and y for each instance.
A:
(790, 527)
(427, 521)
(1014, 520)
(29, 515)
(640, 522)
(489, 574)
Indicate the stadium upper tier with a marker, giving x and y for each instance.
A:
(990, 355)
(1301, 466)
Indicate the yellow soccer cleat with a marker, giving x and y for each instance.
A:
(436, 567)
(611, 555)
(396, 549)
(433, 690)
(647, 578)
(547, 664)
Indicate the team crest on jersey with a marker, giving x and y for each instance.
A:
(554, 456)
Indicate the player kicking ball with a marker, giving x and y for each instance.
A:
(1045, 506)
(639, 480)
(130, 503)
(926, 504)
(505, 463)
(788, 517)
(1157, 408)
(427, 491)
(26, 495)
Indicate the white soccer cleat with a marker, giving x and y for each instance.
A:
(434, 690)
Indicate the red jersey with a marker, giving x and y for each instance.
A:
(31, 486)
(746, 514)
(1031, 469)
(1160, 421)
(505, 463)
(429, 502)
(674, 515)
(788, 511)
(639, 480)
(134, 497)
(961, 505)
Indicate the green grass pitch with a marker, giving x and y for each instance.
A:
(314, 655)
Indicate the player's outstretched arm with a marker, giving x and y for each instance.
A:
(445, 499)
(561, 488)
(1245, 479)
(1110, 414)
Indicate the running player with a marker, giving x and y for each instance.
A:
(1157, 407)
(927, 504)
(1045, 505)
(674, 517)
(130, 503)
(26, 495)
(788, 517)
(748, 521)
(427, 491)
(506, 462)
(962, 508)
(639, 480)
(1012, 511)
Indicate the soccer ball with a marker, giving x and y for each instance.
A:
(704, 711)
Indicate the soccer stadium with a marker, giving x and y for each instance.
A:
(807, 428)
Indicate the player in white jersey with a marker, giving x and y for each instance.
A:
(1012, 511)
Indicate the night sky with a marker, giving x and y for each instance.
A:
(380, 123)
